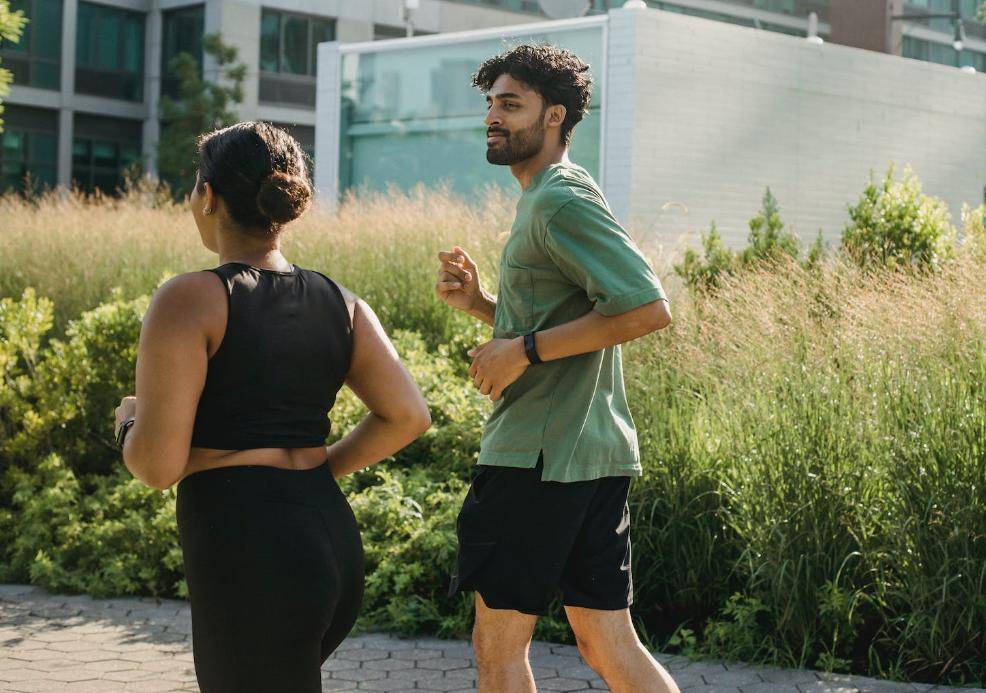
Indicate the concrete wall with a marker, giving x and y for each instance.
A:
(721, 112)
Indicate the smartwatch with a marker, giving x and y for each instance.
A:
(121, 431)
(531, 349)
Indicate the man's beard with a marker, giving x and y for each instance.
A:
(518, 146)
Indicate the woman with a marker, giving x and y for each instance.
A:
(237, 370)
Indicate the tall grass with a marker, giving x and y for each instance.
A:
(814, 441)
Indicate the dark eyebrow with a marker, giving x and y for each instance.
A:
(504, 95)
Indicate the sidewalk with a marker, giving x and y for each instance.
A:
(78, 644)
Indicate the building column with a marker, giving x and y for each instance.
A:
(619, 105)
(152, 88)
(70, 11)
(328, 104)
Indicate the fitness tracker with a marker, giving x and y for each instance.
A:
(530, 349)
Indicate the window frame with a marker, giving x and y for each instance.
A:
(312, 48)
(22, 50)
(117, 73)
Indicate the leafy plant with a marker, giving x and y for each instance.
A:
(894, 223)
(11, 26)
(202, 105)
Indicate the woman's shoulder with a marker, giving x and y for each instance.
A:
(191, 293)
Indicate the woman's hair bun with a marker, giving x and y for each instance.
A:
(283, 197)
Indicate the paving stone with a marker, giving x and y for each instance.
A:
(732, 679)
(364, 655)
(387, 685)
(416, 654)
(334, 664)
(445, 663)
(563, 684)
(388, 664)
(359, 675)
(335, 685)
(763, 687)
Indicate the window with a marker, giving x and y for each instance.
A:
(511, 5)
(181, 32)
(382, 32)
(36, 59)
(288, 50)
(28, 148)
(404, 109)
(109, 52)
(101, 151)
(288, 42)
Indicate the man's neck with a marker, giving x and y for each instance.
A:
(524, 171)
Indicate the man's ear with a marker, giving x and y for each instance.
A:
(555, 115)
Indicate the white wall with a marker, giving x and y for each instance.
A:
(721, 112)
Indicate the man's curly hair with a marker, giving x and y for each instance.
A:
(558, 75)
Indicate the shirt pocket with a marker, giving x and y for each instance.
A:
(515, 303)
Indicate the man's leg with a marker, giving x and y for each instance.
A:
(501, 639)
(609, 644)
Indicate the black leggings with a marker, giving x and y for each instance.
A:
(274, 566)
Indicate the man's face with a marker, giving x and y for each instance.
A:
(514, 121)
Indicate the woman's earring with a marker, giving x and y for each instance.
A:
(206, 210)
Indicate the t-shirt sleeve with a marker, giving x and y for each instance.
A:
(593, 251)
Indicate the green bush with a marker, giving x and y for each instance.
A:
(812, 438)
(767, 242)
(894, 223)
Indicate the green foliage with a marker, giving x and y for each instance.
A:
(706, 271)
(766, 242)
(894, 223)
(202, 106)
(974, 230)
(813, 468)
(101, 535)
(408, 525)
(11, 26)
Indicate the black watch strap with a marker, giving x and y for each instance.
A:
(531, 349)
(121, 432)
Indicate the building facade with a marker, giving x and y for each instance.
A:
(89, 74)
(690, 121)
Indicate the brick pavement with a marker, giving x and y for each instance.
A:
(75, 644)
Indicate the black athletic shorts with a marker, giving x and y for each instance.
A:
(521, 540)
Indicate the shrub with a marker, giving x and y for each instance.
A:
(766, 242)
(974, 230)
(894, 223)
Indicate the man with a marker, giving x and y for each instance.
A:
(547, 508)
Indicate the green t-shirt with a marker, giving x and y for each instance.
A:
(567, 255)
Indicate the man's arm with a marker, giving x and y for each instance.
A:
(500, 362)
(594, 331)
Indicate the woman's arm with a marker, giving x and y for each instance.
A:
(398, 411)
(172, 359)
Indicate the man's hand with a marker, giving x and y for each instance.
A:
(458, 280)
(126, 410)
(496, 364)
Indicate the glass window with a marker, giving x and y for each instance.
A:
(289, 41)
(110, 52)
(412, 116)
(28, 149)
(295, 46)
(35, 60)
(270, 41)
(181, 32)
(101, 150)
